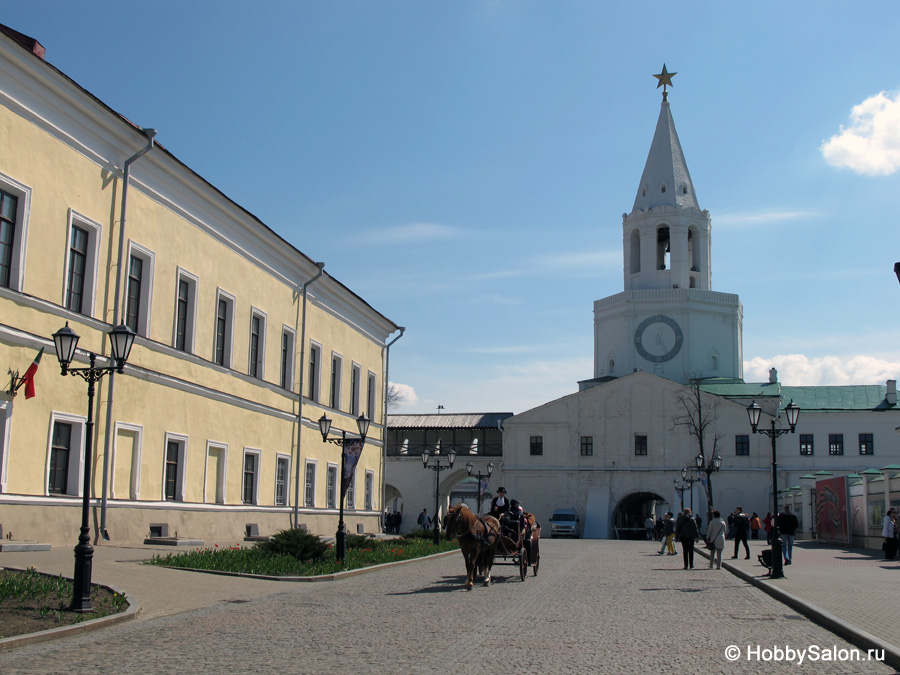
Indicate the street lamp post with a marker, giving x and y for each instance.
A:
(691, 480)
(362, 424)
(680, 489)
(437, 467)
(65, 340)
(793, 412)
(480, 476)
(708, 468)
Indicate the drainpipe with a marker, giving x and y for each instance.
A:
(384, 427)
(321, 267)
(150, 134)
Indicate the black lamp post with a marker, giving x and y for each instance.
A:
(65, 340)
(680, 489)
(437, 467)
(691, 480)
(714, 464)
(793, 412)
(362, 424)
(469, 469)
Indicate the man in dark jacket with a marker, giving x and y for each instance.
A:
(687, 533)
(787, 525)
(741, 530)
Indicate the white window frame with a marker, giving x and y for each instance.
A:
(355, 388)
(372, 395)
(190, 323)
(332, 486)
(257, 467)
(228, 348)
(370, 490)
(5, 424)
(315, 380)
(147, 276)
(334, 382)
(91, 261)
(309, 487)
(287, 480)
(75, 473)
(260, 348)
(287, 368)
(20, 237)
(221, 482)
(182, 441)
(133, 490)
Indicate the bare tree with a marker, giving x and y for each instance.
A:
(700, 420)
(394, 396)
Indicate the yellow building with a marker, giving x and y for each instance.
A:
(212, 427)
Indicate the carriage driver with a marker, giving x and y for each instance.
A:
(499, 504)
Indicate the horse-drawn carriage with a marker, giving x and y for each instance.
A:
(482, 539)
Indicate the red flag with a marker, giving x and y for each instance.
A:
(28, 377)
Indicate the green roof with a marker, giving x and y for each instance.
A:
(821, 398)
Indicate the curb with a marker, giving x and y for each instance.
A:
(336, 576)
(852, 634)
(129, 614)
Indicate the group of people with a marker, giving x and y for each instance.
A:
(391, 520)
(686, 529)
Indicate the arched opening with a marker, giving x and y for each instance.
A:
(632, 511)
(694, 249)
(635, 252)
(663, 247)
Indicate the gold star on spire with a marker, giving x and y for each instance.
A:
(665, 79)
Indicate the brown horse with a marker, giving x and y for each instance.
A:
(478, 536)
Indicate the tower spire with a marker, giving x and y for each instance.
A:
(665, 80)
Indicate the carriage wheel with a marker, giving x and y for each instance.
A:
(523, 563)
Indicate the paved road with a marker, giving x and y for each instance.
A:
(596, 607)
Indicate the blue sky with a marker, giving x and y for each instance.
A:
(464, 166)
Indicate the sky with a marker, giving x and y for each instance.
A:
(464, 166)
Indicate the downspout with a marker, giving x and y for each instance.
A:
(321, 267)
(384, 428)
(150, 134)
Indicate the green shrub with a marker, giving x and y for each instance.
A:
(420, 534)
(356, 541)
(297, 543)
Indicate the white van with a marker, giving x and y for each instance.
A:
(564, 523)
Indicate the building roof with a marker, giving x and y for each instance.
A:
(450, 421)
(820, 398)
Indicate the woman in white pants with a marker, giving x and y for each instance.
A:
(715, 535)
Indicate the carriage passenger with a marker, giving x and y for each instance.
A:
(514, 518)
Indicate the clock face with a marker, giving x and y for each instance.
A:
(658, 338)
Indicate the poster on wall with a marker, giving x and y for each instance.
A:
(833, 510)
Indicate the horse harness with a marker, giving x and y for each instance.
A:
(477, 537)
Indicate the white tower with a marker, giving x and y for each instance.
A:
(668, 321)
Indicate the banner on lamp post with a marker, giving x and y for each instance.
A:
(352, 451)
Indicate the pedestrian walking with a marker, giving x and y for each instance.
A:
(648, 528)
(755, 525)
(741, 530)
(715, 539)
(890, 534)
(687, 533)
(424, 521)
(787, 525)
(668, 535)
(767, 525)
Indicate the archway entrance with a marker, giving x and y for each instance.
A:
(631, 512)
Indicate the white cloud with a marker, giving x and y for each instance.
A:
(757, 218)
(411, 233)
(800, 370)
(871, 145)
(408, 397)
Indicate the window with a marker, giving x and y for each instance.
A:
(335, 399)
(587, 446)
(185, 311)
(174, 459)
(355, 388)
(309, 489)
(331, 487)
(351, 492)
(315, 357)
(866, 444)
(138, 290)
(78, 252)
(257, 345)
(370, 396)
(742, 444)
(537, 445)
(60, 449)
(370, 482)
(248, 486)
(286, 375)
(224, 329)
(835, 444)
(5, 414)
(640, 445)
(282, 473)
(806, 444)
(15, 202)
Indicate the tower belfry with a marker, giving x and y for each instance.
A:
(668, 320)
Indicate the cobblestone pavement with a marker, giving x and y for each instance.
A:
(595, 607)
